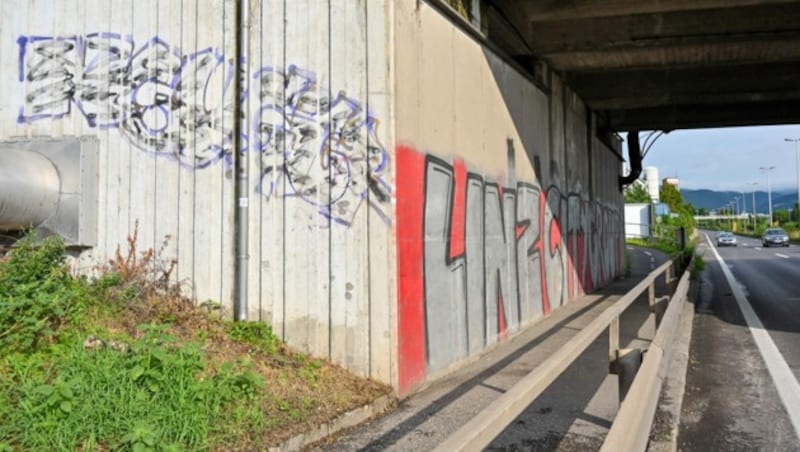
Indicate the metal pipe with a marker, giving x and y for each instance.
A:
(635, 157)
(240, 157)
(29, 189)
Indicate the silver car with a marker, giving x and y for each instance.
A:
(774, 236)
(726, 239)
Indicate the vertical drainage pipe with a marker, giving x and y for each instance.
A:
(635, 158)
(240, 156)
(29, 189)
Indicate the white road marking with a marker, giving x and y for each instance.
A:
(782, 255)
(648, 253)
(786, 383)
(758, 248)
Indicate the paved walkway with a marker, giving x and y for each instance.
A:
(574, 413)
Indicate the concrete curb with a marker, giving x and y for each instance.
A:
(671, 398)
(347, 420)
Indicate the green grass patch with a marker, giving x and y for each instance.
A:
(254, 333)
(665, 245)
(123, 362)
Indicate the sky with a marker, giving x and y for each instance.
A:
(727, 158)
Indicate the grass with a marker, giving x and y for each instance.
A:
(699, 266)
(665, 245)
(669, 247)
(124, 362)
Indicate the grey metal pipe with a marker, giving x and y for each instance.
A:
(29, 189)
(241, 110)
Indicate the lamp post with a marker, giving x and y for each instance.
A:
(755, 211)
(730, 213)
(744, 203)
(797, 162)
(767, 169)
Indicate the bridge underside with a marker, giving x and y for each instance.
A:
(654, 64)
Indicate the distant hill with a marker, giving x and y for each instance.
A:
(711, 199)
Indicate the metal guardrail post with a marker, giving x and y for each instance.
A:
(651, 300)
(629, 361)
(613, 345)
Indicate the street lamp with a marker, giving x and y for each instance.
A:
(797, 161)
(767, 169)
(730, 213)
(755, 211)
(744, 203)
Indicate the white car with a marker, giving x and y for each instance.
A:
(726, 239)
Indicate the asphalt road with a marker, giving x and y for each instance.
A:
(742, 383)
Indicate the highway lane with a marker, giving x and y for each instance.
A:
(770, 278)
(742, 389)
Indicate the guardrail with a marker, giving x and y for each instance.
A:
(484, 427)
(630, 430)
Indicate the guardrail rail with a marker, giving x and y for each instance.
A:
(636, 410)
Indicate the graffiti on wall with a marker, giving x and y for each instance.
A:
(477, 259)
(316, 146)
(323, 150)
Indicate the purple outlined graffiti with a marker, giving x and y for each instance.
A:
(322, 150)
(142, 92)
(313, 145)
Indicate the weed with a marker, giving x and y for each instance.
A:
(310, 370)
(104, 394)
(37, 294)
(699, 266)
(58, 397)
(254, 333)
(107, 281)
(238, 380)
(133, 275)
(141, 438)
(125, 362)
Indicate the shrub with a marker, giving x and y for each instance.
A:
(37, 294)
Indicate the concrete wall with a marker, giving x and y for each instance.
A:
(152, 80)
(507, 206)
(323, 223)
(412, 198)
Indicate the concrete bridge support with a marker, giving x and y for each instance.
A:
(413, 197)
